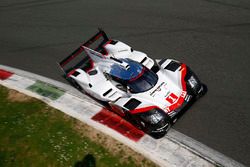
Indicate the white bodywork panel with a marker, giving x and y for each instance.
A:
(104, 89)
(165, 93)
(121, 50)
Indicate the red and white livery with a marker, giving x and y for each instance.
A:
(147, 92)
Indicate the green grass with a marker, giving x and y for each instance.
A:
(33, 134)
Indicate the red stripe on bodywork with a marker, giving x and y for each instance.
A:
(118, 124)
(183, 74)
(108, 42)
(104, 47)
(5, 74)
(71, 72)
(91, 66)
(87, 69)
(144, 109)
(180, 101)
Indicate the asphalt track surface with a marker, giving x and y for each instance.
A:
(212, 36)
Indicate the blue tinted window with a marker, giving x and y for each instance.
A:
(144, 82)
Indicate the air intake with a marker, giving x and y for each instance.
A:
(132, 104)
(105, 94)
(172, 66)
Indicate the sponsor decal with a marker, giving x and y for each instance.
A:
(183, 94)
(172, 98)
(158, 89)
(176, 103)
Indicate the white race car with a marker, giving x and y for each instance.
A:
(146, 92)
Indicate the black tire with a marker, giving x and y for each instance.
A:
(159, 135)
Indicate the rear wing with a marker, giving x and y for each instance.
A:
(81, 58)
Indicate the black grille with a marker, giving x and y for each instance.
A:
(132, 104)
(104, 94)
(172, 66)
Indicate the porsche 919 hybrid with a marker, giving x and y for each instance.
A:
(148, 93)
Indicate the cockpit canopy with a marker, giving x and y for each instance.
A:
(132, 70)
(135, 76)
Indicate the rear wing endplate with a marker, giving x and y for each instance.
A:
(84, 47)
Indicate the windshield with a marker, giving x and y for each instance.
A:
(143, 82)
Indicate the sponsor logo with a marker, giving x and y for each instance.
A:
(183, 94)
(172, 98)
(158, 89)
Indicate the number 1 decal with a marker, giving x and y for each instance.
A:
(172, 98)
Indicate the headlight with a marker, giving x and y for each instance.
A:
(192, 81)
